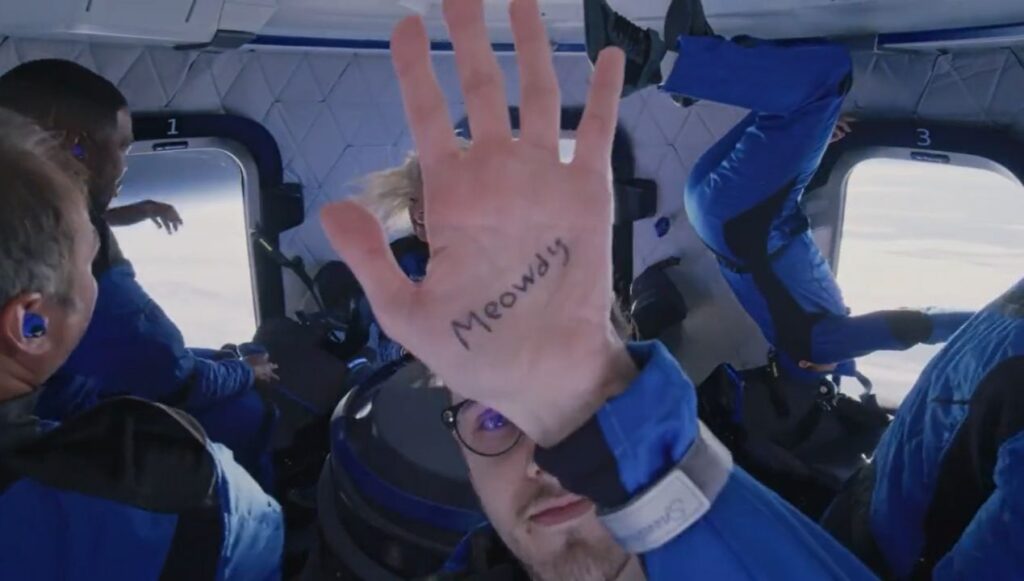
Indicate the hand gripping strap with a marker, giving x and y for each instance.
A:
(669, 507)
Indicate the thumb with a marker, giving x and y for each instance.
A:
(358, 237)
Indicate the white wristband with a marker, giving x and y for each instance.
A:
(669, 507)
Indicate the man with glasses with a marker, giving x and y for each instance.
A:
(554, 534)
(586, 454)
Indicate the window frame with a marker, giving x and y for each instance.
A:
(272, 206)
(824, 203)
(250, 187)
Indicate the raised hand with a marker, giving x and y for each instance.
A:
(514, 310)
(164, 216)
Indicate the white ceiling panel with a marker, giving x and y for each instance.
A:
(373, 19)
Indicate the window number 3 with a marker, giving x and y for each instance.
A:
(924, 137)
(173, 129)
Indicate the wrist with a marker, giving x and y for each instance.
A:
(613, 371)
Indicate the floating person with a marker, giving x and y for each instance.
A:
(743, 195)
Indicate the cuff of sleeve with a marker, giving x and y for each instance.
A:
(634, 438)
(583, 464)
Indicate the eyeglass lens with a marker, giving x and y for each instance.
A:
(485, 431)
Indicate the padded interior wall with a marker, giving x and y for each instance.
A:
(338, 116)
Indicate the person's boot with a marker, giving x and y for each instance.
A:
(643, 47)
(685, 18)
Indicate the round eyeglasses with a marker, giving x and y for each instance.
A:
(482, 430)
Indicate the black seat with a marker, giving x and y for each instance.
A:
(803, 441)
(657, 303)
(395, 497)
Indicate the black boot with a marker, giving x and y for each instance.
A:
(643, 47)
(685, 18)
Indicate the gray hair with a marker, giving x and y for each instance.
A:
(39, 185)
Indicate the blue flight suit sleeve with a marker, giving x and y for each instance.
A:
(214, 381)
(64, 396)
(842, 338)
(637, 437)
(131, 347)
(990, 547)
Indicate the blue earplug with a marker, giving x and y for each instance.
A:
(33, 326)
(78, 151)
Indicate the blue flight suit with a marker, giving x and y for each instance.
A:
(743, 198)
(638, 436)
(132, 348)
(944, 498)
(128, 490)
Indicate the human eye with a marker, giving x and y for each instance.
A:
(491, 421)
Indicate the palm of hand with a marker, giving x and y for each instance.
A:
(518, 241)
(514, 310)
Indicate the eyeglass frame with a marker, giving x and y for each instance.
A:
(450, 419)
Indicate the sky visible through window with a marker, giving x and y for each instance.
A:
(918, 235)
(199, 276)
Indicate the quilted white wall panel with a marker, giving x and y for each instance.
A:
(338, 116)
(978, 87)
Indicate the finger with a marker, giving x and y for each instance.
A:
(357, 236)
(483, 85)
(597, 128)
(425, 105)
(157, 222)
(844, 126)
(540, 99)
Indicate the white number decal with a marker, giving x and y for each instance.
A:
(924, 138)
(173, 130)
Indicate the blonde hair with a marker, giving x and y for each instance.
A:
(388, 194)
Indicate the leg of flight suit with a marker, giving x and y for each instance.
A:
(795, 91)
(743, 196)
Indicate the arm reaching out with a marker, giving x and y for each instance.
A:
(165, 216)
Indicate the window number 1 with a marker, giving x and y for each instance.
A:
(173, 129)
(924, 138)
